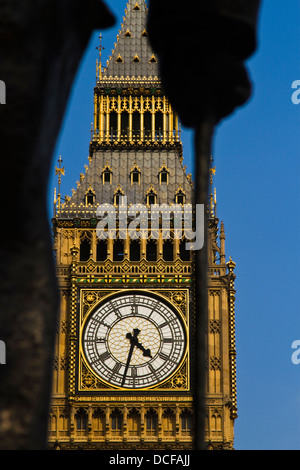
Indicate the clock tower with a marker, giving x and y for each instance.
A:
(124, 359)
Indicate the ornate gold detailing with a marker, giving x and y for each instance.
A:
(87, 380)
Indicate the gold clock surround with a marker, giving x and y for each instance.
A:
(91, 299)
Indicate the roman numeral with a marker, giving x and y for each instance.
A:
(104, 356)
(117, 367)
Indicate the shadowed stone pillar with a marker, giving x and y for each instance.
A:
(41, 44)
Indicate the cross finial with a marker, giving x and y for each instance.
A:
(100, 49)
(213, 199)
(60, 171)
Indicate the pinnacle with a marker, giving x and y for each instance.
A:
(132, 55)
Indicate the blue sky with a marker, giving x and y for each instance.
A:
(257, 156)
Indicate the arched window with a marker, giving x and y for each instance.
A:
(52, 424)
(148, 124)
(180, 197)
(151, 250)
(151, 197)
(159, 124)
(135, 250)
(81, 420)
(136, 122)
(186, 423)
(116, 422)
(164, 175)
(168, 250)
(101, 250)
(106, 175)
(99, 422)
(118, 250)
(63, 424)
(185, 255)
(169, 422)
(216, 422)
(135, 175)
(151, 423)
(118, 196)
(85, 247)
(90, 197)
(134, 422)
(124, 123)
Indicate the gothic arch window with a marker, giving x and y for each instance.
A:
(159, 124)
(186, 423)
(135, 175)
(124, 123)
(169, 422)
(151, 197)
(153, 59)
(144, 33)
(151, 250)
(136, 122)
(116, 422)
(216, 422)
(119, 193)
(151, 423)
(52, 424)
(63, 424)
(185, 255)
(90, 197)
(81, 419)
(101, 253)
(136, 7)
(85, 246)
(147, 123)
(164, 175)
(98, 422)
(118, 250)
(127, 34)
(113, 125)
(168, 250)
(107, 175)
(134, 422)
(180, 197)
(136, 58)
(119, 59)
(135, 250)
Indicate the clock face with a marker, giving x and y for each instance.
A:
(134, 341)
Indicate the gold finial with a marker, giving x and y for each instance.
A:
(213, 197)
(98, 62)
(60, 171)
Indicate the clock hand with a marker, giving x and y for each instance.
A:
(133, 341)
(146, 352)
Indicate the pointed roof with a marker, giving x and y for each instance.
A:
(133, 55)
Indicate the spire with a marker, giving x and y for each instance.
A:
(132, 55)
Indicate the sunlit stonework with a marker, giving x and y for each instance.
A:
(124, 353)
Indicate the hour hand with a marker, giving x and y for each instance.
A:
(146, 352)
(135, 342)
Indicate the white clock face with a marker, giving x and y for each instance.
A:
(134, 341)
